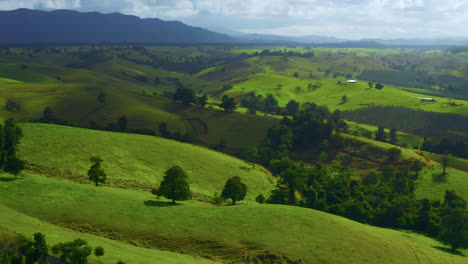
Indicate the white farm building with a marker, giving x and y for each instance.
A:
(351, 81)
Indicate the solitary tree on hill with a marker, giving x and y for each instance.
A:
(379, 86)
(344, 99)
(380, 134)
(370, 84)
(95, 173)
(174, 185)
(234, 189)
(99, 252)
(123, 123)
(393, 136)
(444, 161)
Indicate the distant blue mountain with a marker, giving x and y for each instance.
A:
(64, 26)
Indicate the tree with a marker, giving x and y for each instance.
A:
(393, 154)
(292, 107)
(380, 134)
(370, 178)
(393, 136)
(48, 116)
(228, 104)
(99, 252)
(75, 252)
(234, 189)
(270, 104)
(164, 130)
(296, 75)
(416, 167)
(202, 100)
(444, 161)
(295, 178)
(344, 99)
(379, 86)
(14, 165)
(186, 95)
(101, 98)
(260, 199)
(453, 230)
(35, 251)
(370, 84)
(174, 185)
(95, 173)
(123, 123)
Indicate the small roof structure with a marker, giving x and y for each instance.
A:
(351, 81)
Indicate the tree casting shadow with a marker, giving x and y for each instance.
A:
(449, 250)
(7, 179)
(159, 203)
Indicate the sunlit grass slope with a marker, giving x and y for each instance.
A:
(330, 93)
(114, 250)
(135, 160)
(219, 231)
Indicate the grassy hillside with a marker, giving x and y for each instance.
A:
(135, 161)
(425, 185)
(78, 103)
(222, 232)
(114, 250)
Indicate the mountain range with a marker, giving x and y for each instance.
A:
(25, 26)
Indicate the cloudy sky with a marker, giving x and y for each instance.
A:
(352, 19)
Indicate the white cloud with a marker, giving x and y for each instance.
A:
(48, 4)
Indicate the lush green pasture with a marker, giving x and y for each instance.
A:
(114, 250)
(330, 93)
(219, 231)
(78, 103)
(135, 161)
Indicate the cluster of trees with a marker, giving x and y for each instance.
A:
(23, 249)
(268, 105)
(381, 135)
(385, 198)
(285, 53)
(187, 96)
(457, 149)
(175, 186)
(10, 136)
(313, 131)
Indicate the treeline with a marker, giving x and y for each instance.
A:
(385, 198)
(418, 122)
(285, 53)
(268, 105)
(444, 147)
(22, 249)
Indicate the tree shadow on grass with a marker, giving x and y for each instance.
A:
(160, 203)
(449, 250)
(7, 179)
